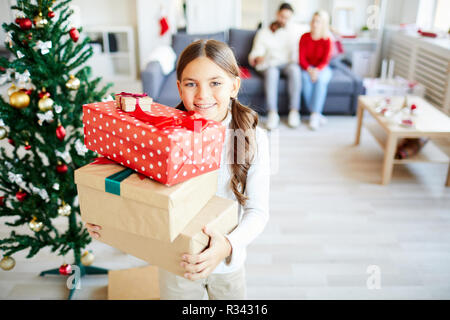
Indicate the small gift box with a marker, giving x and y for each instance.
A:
(128, 101)
(166, 144)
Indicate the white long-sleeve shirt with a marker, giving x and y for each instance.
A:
(277, 48)
(254, 215)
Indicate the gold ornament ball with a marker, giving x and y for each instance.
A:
(45, 104)
(3, 133)
(7, 263)
(87, 258)
(35, 225)
(39, 21)
(19, 100)
(73, 83)
(64, 210)
(12, 89)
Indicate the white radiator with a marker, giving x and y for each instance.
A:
(428, 63)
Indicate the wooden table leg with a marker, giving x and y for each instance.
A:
(448, 177)
(359, 114)
(389, 154)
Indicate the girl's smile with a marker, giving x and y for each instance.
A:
(206, 88)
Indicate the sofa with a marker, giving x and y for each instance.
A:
(343, 89)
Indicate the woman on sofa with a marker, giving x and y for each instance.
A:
(314, 56)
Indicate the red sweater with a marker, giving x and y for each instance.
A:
(314, 53)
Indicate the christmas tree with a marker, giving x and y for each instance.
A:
(42, 121)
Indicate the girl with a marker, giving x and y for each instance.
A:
(314, 56)
(208, 83)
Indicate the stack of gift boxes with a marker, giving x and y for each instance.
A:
(154, 188)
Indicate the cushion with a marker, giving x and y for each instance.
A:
(241, 42)
(181, 40)
(169, 95)
(340, 83)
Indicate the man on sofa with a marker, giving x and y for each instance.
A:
(274, 53)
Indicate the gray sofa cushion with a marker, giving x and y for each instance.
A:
(340, 83)
(241, 42)
(169, 95)
(182, 40)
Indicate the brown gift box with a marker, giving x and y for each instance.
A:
(219, 213)
(145, 207)
(127, 102)
(134, 284)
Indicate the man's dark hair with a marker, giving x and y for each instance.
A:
(286, 6)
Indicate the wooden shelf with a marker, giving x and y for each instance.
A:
(429, 153)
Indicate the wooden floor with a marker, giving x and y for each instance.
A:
(330, 220)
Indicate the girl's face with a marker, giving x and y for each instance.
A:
(206, 88)
(316, 23)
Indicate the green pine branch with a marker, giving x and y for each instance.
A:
(38, 164)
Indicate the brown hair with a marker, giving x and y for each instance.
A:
(243, 118)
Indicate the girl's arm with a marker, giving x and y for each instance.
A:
(326, 56)
(256, 211)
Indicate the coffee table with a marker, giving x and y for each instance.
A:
(430, 122)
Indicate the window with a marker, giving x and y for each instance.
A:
(441, 20)
(433, 14)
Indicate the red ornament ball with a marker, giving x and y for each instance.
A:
(51, 14)
(2, 201)
(27, 147)
(60, 132)
(65, 269)
(74, 34)
(61, 168)
(25, 24)
(21, 195)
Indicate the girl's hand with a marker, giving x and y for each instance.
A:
(199, 266)
(92, 228)
(313, 73)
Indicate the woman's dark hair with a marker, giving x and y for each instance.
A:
(243, 118)
(286, 6)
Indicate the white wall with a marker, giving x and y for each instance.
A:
(148, 14)
(5, 16)
(107, 12)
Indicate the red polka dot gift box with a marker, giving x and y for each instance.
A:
(168, 145)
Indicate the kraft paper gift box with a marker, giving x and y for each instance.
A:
(166, 144)
(110, 194)
(219, 213)
(134, 284)
(128, 101)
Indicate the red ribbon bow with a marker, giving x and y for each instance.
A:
(161, 122)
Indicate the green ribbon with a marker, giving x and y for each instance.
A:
(112, 183)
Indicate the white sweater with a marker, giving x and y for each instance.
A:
(277, 48)
(254, 215)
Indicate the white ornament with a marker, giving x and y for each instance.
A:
(20, 55)
(108, 98)
(58, 109)
(48, 116)
(15, 178)
(56, 186)
(81, 148)
(23, 77)
(8, 36)
(43, 46)
(64, 155)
